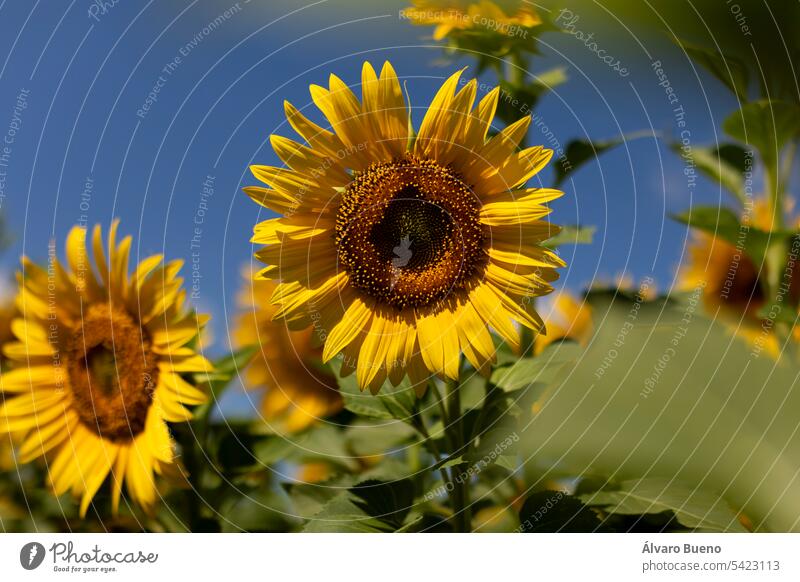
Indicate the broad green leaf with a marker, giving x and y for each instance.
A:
(766, 125)
(693, 508)
(256, 510)
(728, 69)
(556, 512)
(542, 368)
(662, 392)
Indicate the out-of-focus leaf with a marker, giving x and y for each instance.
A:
(580, 151)
(693, 508)
(388, 501)
(662, 392)
(542, 368)
(369, 437)
(572, 235)
(725, 165)
(766, 125)
(728, 69)
(556, 512)
(225, 369)
(255, 510)
(341, 515)
(723, 223)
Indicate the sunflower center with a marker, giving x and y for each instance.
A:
(112, 372)
(408, 232)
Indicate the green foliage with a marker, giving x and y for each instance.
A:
(664, 393)
(581, 151)
(727, 68)
(542, 369)
(557, 512)
(766, 125)
(694, 508)
(725, 164)
(572, 235)
(724, 224)
(392, 401)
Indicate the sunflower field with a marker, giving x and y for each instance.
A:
(419, 266)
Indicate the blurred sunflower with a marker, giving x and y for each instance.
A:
(297, 390)
(569, 318)
(402, 250)
(733, 286)
(503, 16)
(96, 368)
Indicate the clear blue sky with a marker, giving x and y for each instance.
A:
(88, 72)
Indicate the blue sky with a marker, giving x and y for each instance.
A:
(216, 95)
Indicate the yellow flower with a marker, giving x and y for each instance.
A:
(96, 368)
(502, 16)
(569, 319)
(298, 391)
(732, 285)
(403, 253)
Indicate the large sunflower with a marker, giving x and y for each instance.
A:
(401, 250)
(97, 368)
(297, 391)
(503, 16)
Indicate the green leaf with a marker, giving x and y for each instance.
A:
(388, 501)
(368, 437)
(543, 368)
(693, 508)
(572, 235)
(392, 402)
(255, 510)
(341, 515)
(728, 69)
(723, 223)
(662, 391)
(766, 125)
(725, 165)
(516, 101)
(556, 512)
(580, 151)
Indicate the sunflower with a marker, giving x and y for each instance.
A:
(97, 366)
(569, 318)
(297, 390)
(732, 285)
(403, 252)
(449, 16)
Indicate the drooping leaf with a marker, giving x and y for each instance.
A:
(581, 151)
(693, 508)
(728, 69)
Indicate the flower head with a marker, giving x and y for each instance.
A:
(450, 17)
(97, 368)
(287, 366)
(404, 252)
